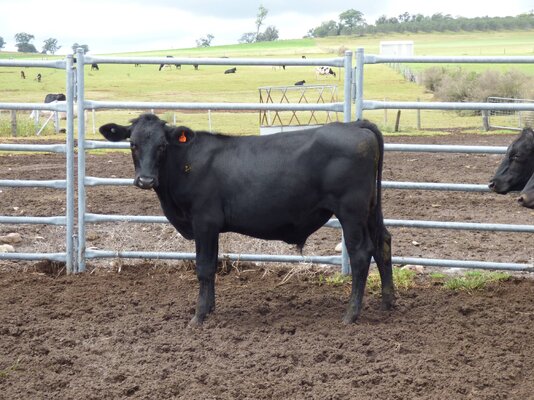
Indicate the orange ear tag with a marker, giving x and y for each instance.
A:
(183, 138)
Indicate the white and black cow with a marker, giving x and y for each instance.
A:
(324, 71)
(276, 187)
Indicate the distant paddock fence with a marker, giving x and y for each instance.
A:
(77, 253)
(508, 119)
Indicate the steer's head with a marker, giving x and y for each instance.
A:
(517, 165)
(150, 139)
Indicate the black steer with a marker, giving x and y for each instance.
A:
(50, 97)
(516, 168)
(277, 187)
(526, 198)
(231, 71)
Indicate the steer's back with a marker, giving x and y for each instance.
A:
(296, 180)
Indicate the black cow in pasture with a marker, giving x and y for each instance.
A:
(516, 168)
(231, 71)
(22, 75)
(39, 77)
(50, 97)
(94, 67)
(300, 83)
(276, 187)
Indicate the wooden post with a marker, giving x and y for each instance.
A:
(13, 123)
(397, 121)
(485, 120)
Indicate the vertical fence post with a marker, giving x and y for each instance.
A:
(345, 264)
(347, 87)
(359, 83)
(80, 66)
(70, 165)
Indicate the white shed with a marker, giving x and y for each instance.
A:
(403, 48)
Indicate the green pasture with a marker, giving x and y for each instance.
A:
(210, 84)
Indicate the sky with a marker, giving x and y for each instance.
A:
(112, 26)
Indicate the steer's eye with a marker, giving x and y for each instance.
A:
(515, 157)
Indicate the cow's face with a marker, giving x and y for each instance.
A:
(526, 198)
(517, 165)
(150, 139)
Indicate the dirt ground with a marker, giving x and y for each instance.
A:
(120, 330)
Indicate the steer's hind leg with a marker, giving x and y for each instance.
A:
(359, 247)
(382, 256)
(206, 260)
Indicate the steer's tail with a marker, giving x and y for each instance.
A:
(378, 235)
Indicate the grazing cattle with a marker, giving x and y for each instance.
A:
(516, 168)
(300, 83)
(38, 77)
(178, 66)
(324, 71)
(94, 67)
(195, 66)
(277, 187)
(231, 71)
(50, 97)
(22, 75)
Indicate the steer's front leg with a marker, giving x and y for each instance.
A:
(207, 251)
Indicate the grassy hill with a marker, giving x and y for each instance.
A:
(210, 84)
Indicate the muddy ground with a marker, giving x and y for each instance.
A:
(120, 330)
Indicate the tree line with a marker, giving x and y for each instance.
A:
(50, 46)
(352, 22)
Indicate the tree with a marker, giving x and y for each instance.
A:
(330, 28)
(248, 37)
(50, 46)
(22, 41)
(205, 42)
(2, 43)
(270, 34)
(83, 46)
(350, 20)
(260, 17)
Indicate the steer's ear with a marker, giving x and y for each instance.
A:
(114, 132)
(180, 135)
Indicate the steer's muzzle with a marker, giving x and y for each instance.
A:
(497, 187)
(144, 182)
(526, 200)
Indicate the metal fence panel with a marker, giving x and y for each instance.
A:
(63, 184)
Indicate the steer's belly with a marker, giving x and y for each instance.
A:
(292, 229)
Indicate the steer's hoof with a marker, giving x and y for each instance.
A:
(350, 318)
(195, 322)
(388, 303)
